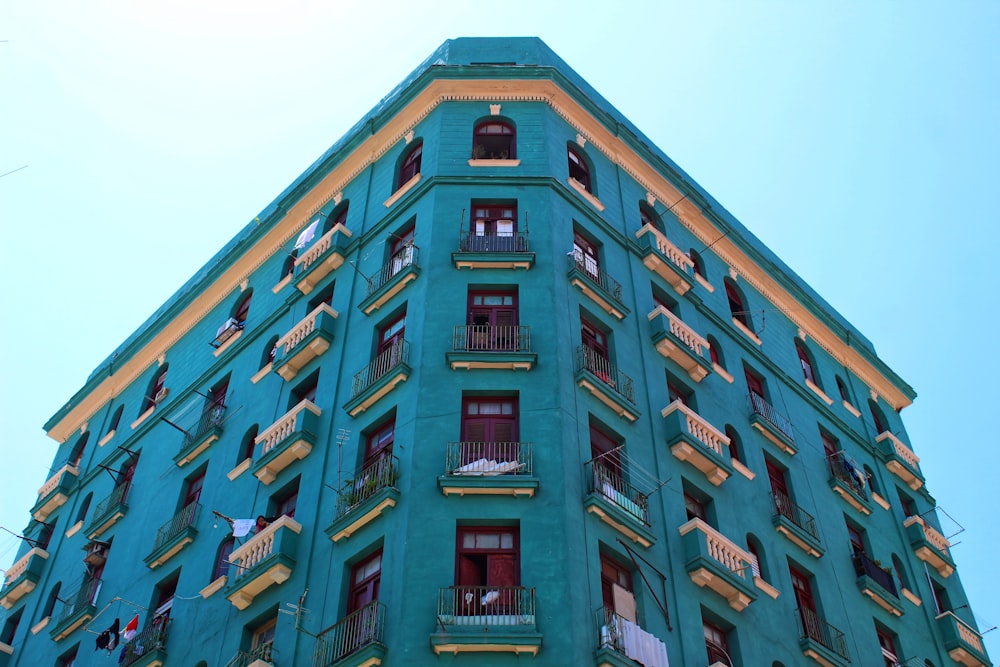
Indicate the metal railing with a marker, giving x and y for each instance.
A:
(486, 606)
(596, 274)
(371, 479)
(85, 596)
(356, 630)
(118, 496)
(847, 473)
(785, 507)
(864, 565)
(405, 257)
(246, 658)
(394, 355)
(609, 626)
(510, 242)
(488, 458)
(177, 525)
(763, 409)
(600, 367)
(491, 338)
(151, 638)
(606, 480)
(211, 417)
(813, 627)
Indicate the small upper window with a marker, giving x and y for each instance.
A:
(493, 140)
(115, 419)
(715, 352)
(339, 217)
(579, 170)
(156, 392)
(842, 388)
(737, 305)
(242, 309)
(805, 362)
(410, 166)
(76, 455)
(647, 216)
(697, 262)
(881, 426)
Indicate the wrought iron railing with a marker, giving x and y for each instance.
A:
(763, 409)
(264, 653)
(488, 458)
(378, 475)
(609, 629)
(118, 496)
(177, 525)
(596, 274)
(600, 367)
(405, 257)
(606, 479)
(211, 417)
(389, 358)
(509, 242)
(85, 596)
(813, 627)
(863, 565)
(486, 606)
(785, 507)
(356, 630)
(151, 638)
(848, 474)
(491, 338)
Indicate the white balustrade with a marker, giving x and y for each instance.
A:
(700, 429)
(19, 568)
(721, 548)
(54, 481)
(685, 333)
(285, 426)
(902, 451)
(306, 326)
(668, 249)
(936, 539)
(319, 247)
(261, 545)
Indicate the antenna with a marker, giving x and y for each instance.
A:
(298, 611)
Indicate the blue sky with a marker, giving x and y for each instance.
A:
(848, 136)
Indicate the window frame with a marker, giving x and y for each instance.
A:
(579, 169)
(480, 139)
(410, 164)
(368, 586)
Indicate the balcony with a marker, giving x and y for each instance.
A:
(665, 259)
(149, 647)
(306, 341)
(877, 584)
(203, 435)
(259, 656)
(622, 643)
(716, 563)
(849, 482)
(488, 468)
(796, 524)
(679, 343)
(929, 545)
(371, 493)
(963, 643)
(323, 257)
(596, 374)
(694, 440)
(266, 559)
(378, 378)
(594, 282)
(900, 460)
(821, 641)
(22, 577)
(491, 346)
(400, 271)
(355, 640)
(54, 492)
(173, 536)
(616, 502)
(486, 619)
(286, 441)
(496, 251)
(78, 608)
(772, 424)
(109, 511)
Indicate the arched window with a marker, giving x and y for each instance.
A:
(338, 217)
(881, 425)
(115, 419)
(270, 349)
(735, 443)
(737, 305)
(81, 513)
(842, 389)
(288, 266)
(872, 481)
(242, 309)
(805, 361)
(410, 166)
(493, 140)
(76, 455)
(156, 392)
(901, 576)
(757, 565)
(50, 602)
(715, 352)
(579, 169)
(220, 567)
(647, 216)
(248, 443)
(697, 262)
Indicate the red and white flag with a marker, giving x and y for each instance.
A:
(131, 629)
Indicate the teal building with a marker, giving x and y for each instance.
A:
(504, 386)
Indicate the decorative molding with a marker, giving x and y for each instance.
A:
(162, 359)
(83, 427)
(337, 198)
(733, 273)
(802, 334)
(581, 140)
(408, 137)
(650, 198)
(494, 109)
(244, 284)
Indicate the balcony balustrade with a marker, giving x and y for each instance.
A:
(622, 643)
(259, 656)
(364, 498)
(597, 284)
(486, 619)
(716, 563)
(678, 342)
(203, 435)
(306, 341)
(380, 377)
(491, 346)
(266, 559)
(109, 511)
(78, 608)
(821, 641)
(929, 545)
(493, 251)
(962, 641)
(616, 502)
(877, 584)
(694, 440)
(359, 635)
(149, 647)
(488, 468)
(323, 257)
(23, 576)
(796, 524)
(849, 482)
(665, 259)
(287, 440)
(174, 535)
(55, 492)
(596, 374)
(900, 460)
(772, 424)
(391, 279)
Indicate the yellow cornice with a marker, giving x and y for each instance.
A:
(379, 143)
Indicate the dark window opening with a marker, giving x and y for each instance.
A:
(493, 140)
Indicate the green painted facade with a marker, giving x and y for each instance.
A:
(564, 511)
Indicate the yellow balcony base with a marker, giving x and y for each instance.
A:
(197, 451)
(713, 472)
(363, 519)
(604, 397)
(736, 598)
(298, 360)
(390, 292)
(292, 453)
(376, 396)
(606, 305)
(173, 551)
(781, 444)
(620, 526)
(276, 574)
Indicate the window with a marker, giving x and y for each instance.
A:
(695, 507)
(586, 256)
(163, 599)
(941, 601)
(887, 641)
(124, 481)
(115, 419)
(242, 309)
(805, 362)
(192, 489)
(390, 335)
(776, 477)
(379, 441)
(906, 502)
(831, 447)
(366, 577)
(324, 295)
(493, 140)
(50, 602)
(901, 576)
(84, 507)
(10, 627)
(755, 385)
(857, 539)
(284, 501)
(493, 228)
(715, 352)
(737, 305)
(76, 455)
(616, 589)
(269, 352)
(716, 644)
(400, 251)
(492, 320)
(304, 391)
(579, 170)
(339, 217)
(248, 443)
(647, 216)
(595, 343)
(488, 556)
(67, 659)
(489, 426)
(878, 417)
(663, 300)
(812, 626)
(220, 567)
(410, 166)
(697, 262)
(262, 640)
(735, 443)
(872, 479)
(842, 389)
(678, 392)
(156, 391)
(756, 562)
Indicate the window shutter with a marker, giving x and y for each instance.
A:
(475, 430)
(501, 570)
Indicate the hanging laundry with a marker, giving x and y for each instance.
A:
(242, 526)
(102, 640)
(307, 235)
(131, 628)
(113, 632)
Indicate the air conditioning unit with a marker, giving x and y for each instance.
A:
(97, 553)
(160, 395)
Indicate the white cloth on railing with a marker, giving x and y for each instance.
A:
(307, 235)
(491, 596)
(242, 526)
(642, 646)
